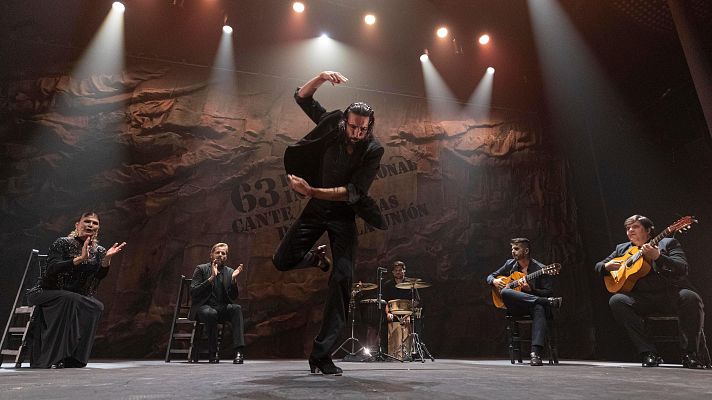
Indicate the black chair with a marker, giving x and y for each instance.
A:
(516, 340)
(186, 334)
(659, 333)
(16, 338)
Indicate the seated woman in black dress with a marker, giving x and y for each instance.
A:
(68, 312)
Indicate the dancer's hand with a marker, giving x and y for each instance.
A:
(299, 185)
(334, 77)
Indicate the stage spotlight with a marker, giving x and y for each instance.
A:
(424, 57)
(442, 32)
(227, 29)
(490, 70)
(370, 19)
(298, 6)
(484, 39)
(118, 6)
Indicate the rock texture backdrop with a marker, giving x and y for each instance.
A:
(175, 161)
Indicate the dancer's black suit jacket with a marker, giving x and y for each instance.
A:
(304, 159)
(201, 288)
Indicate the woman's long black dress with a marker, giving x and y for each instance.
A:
(68, 314)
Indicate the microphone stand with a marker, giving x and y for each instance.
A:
(380, 355)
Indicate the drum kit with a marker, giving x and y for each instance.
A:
(412, 348)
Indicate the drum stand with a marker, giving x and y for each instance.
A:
(352, 339)
(417, 346)
(380, 355)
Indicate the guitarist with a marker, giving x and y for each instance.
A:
(535, 297)
(664, 290)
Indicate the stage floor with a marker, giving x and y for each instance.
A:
(290, 379)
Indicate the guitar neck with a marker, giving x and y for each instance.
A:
(653, 242)
(661, 236)
(535, 274)
(528, 277)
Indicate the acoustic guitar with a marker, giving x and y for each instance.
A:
(516, 280)
(634, 266)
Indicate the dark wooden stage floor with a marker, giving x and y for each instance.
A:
(290, 379)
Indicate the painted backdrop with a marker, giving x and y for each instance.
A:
(175, 160)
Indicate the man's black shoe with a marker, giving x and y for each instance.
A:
(651, 359)
(554, 302)
(689, 360)
(535, 360)
(214, 359)
(325, 366)
(324, 262)
(239, 358)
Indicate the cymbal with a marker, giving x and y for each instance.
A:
(413, 283)
(359, 286)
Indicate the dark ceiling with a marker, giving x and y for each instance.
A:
(634, 40)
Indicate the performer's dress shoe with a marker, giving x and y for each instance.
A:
(689, 360)
(239, 358)
(535, 360)
(324, 262)
(325, 366)
(651, 359)
(554, 302)
(58, 365)
(214, 359)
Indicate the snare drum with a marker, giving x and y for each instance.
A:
(400, 307)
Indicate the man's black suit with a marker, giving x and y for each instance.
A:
(322, 158)
(664, 290)
(522, 303)
(212, 304)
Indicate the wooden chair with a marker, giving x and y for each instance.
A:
(17, 336)
(186, 334)
(515, 339)
(671, 334)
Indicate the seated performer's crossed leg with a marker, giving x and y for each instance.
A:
(520, 303)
